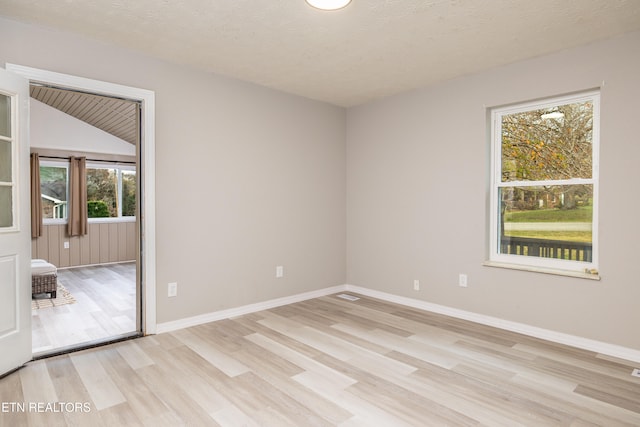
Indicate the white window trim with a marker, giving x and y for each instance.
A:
(92, 165)
(111, 220)
(57, 164)
(118, 167)
(538, 264)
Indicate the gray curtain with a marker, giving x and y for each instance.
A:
(78, 224)
(36, 197)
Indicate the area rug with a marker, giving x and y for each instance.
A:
(63, 296)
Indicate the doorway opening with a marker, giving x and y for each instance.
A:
(114, 278)
(97, 296)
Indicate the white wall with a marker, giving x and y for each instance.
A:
(55, 130)
(417, 192)
(247, 178)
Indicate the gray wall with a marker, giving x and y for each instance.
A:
(247, 178)
(417, 195)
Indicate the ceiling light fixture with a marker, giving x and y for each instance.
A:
(328, 4)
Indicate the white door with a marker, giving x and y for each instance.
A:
(15, 223)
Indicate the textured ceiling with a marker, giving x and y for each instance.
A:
(368, 50)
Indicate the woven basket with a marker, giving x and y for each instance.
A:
(46, 283)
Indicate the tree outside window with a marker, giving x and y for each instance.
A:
(128, 193)
(102, 193)
(111, 192)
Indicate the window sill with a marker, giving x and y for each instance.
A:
(50, 221)
(112, 219)
(92, 220)
(557, 272)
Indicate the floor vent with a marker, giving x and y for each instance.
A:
(348, 297)
(636, 372)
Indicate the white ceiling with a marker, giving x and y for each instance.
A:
(368, 50)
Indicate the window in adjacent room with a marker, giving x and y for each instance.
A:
(54, 187)
(111, 192)
(544, 195)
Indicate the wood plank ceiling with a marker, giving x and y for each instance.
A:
(119, 117)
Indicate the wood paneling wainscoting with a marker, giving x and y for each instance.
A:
(104, 243)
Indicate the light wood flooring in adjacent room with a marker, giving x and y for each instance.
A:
(105, 307)
(330, 362)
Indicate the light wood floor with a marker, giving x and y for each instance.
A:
(330, 362)
(105, 307)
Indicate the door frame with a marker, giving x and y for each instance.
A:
(147, 160)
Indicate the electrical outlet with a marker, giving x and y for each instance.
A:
(279, 271)
(462, 280)
(416, 285)
(66, 245)
(172, 290)
(636, 372)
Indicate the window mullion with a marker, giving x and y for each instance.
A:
(573, 181)
(119, 191)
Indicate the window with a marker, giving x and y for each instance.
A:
(111, 192)
(54, 186)
(128, 191)
(545, 183)
(7, 163)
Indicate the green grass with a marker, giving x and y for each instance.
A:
(580, 214)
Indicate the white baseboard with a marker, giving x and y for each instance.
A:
(533, 331)
(245, 309)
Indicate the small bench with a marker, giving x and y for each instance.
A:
(44, 278)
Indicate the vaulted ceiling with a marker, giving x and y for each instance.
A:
(368, 50)
(119, 117)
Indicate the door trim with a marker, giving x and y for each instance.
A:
(147, 158)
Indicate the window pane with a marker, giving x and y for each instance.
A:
(6, 207)
(548, 144)
(549, 221)
(102, 193)
(53, 187)
(5, 161)
(128, 193)
(5, 116)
